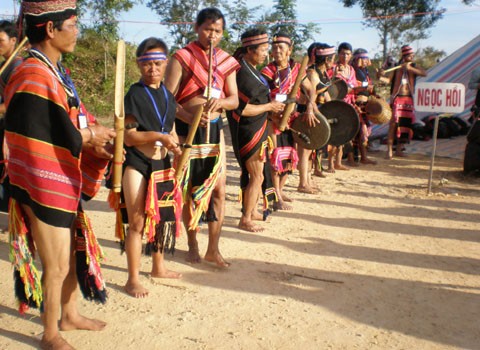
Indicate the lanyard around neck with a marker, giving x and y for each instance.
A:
(260, 78)
(161, 118)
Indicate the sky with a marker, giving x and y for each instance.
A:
(337, 24)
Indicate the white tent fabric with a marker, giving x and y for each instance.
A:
(456, 68)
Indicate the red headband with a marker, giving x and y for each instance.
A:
(407, 50)
(255, 40)
(282, 39)
(325, 52)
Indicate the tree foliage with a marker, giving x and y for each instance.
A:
(239, 19)
(104, 14)
(180, 14)
(284, 19)
(399, 22)
(93, 72)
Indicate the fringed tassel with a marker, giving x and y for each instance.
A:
(201, 196)
(28, 286)
(178, 206)
(276, 161)
(115, 203)
(294, 158)
(269, 197)
(164, 240)
(88, 256)
(152, 212)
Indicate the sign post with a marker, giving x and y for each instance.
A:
(438, 98)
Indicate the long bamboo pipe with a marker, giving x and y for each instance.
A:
(13, 55)
(119, 117)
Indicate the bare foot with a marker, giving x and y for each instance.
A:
(280, 205)
(193, 256)
(330, 170)
(57, 343)
(164, 273)
(389, 155)
(250, 226)
(257, 216)
(286, 199)
(368, 161)
(352, 164)
(80, 322)
(217, 259)
(136, 290)
(341, 167)
(319, 173)
(307, 189)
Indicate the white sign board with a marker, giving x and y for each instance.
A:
(440, 97)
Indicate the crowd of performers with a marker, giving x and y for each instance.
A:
(58, 153)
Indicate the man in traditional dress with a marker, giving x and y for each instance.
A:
(57, 156)
(361, 62)
(342, 70)
(403, 114)
(281, 74)
(153, 202)
(8, 43)
(248, 126)
(187, 78)
(322, 59)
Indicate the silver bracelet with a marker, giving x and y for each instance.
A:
(92, 134)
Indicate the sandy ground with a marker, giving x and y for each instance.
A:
(371, 262)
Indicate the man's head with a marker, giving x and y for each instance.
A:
(209, 26)
(282, 46)
(361, 58)
(324, 54)
(344, 53)
(407, 53)
(8, 38)
(152, 60)
(255, 45)
(43, 18)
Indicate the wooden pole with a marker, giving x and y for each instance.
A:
(209, 87)
(184, 158)
(119, 117)
(13, 55)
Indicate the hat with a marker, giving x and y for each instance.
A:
(406, 50)
(258, 39)
(41, 11)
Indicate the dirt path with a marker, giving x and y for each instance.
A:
(369, 263)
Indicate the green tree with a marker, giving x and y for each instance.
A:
(180, 16)
(103, 14)
(239, 18)
(284, 19)
(399, 21)
(429, 57)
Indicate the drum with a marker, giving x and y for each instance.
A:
(343, 119)
(317, 135)
(378, 110)
(338, 89)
